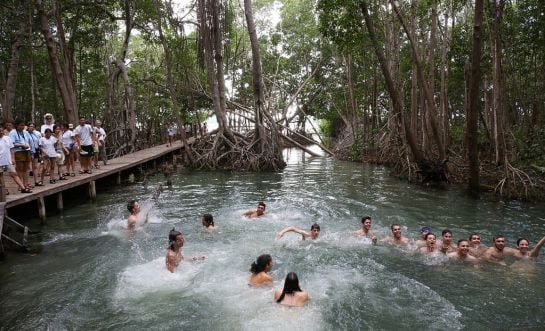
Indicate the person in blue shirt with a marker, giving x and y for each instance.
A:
(21, 142)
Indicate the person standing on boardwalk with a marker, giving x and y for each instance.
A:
(101, 140)
(49, 121)
(48, 145)
(35, 153)
(85, 137)
(68, 143)
(7, 161)
(21, 141)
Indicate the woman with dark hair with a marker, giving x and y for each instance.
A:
(208, 222)
(524, 250)
(134, 208)
(291, 294)
(174, 252)
(260, 269)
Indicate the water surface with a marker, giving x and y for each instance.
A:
(91, 275)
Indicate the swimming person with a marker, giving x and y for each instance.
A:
(498, 252)
(314, 232)
(523, 246)
(207, 221)
(256, 213)
(446, 245)
(422, 241)
(174, 253)
(134, 208)
(260, 269)
(366, 229)
(463, 252)
(291, 294)
(475, 247)
(396, 238)
(431, 247)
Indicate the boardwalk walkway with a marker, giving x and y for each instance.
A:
(114, 166)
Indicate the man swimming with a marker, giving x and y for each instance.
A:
(314, 232)
(475, 247)
(174, 253)
(524, 252)
(396, 238)
(431, 247)
(423, 233)
(134, 208)
(446, 245)
(498, 251)
(256, 213)
(463, 252)
(366, 229)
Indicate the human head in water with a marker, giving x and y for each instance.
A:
(260, 208)
(314, 231)
(175, 239)
(133, 206)
(291, 285)
(263, 263)
(207, 220)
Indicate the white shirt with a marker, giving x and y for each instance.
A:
(48, 146)
(5, 150)
(46, 126)
(67, 138)
(85, 133)
(101, 134)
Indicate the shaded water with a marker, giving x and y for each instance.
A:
(90, 275)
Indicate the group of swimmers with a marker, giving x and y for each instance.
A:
(292, 295)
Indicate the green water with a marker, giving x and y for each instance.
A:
(89, 275)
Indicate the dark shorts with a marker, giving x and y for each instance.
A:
(36, 155)
(23, 156)
(88, 149)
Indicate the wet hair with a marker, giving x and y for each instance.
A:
(474, 234)
(445, 231)
(521, 239)
(130, 204)
(261, 203)
(429, 234)
(314, 226)
(460, 241)
(392, 226)
(261, 263)
(291, 285)
(498, 236)
(364, 218)
(208, 220)
(172, 238)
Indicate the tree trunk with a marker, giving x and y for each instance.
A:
(443, 101)
(498, 108)
(67, 100)
(390, 85)
(171, 85)
(11, 82)
(427, 90)
(473, 101)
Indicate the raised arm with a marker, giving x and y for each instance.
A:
(535, 251)
(292, 229)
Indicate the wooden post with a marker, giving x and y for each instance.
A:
(118, 179)
(60, 204)
(2, 192)
(92, 190)
(41, 210)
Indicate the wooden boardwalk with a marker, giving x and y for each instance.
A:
(114, 167)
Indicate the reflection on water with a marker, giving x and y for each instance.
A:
(91, 275)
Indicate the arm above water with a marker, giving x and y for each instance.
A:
(535, 251)
(292, 229)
